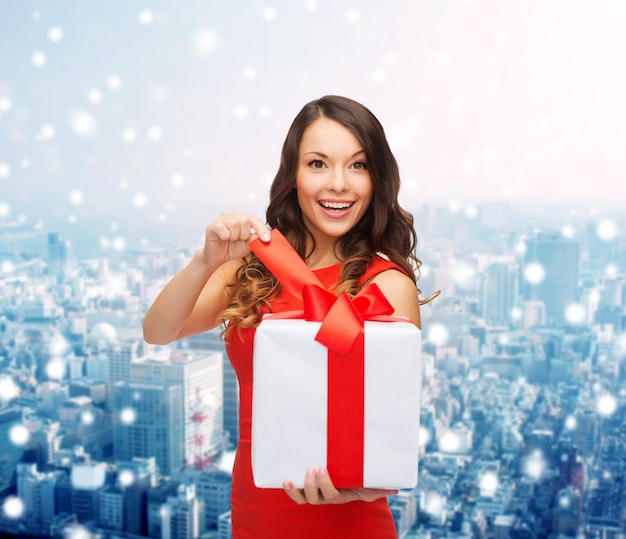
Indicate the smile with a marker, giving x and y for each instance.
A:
(336, 206)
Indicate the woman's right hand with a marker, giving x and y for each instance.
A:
(227, 237)
(191, 302)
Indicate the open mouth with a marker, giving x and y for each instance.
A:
(336, 207)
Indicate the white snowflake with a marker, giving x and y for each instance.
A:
(39, 59)
(94, 96)
(456, 106)
(5, 104)
(87, 417)
(19, 435)
(77, 197)
(606, 405)
(55, 34)
(206, 42)
(126, 478)
(534, 273)
(146, 18)
(352, 16)
(155, 133)
(55, 369)
(82, 123)
(13, 507)
(249, 72)
(177, 180)
(240, 112)
(8, 388)
(5, 170)
(118, 243)
(438, 334)
(606, 230)
(442, 59)
(269, 14)
(114, 82)
(379, 76)
(575, 314)
(129, 135)
(140, 200)
(128, 416)
(47, 132)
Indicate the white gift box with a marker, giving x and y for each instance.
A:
(290, 410)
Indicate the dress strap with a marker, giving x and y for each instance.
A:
(378, 265)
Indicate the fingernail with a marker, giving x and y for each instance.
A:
(321, 470)
(286, 486)
(266, 237)
(310, 472)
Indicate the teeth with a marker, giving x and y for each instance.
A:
(336, 205)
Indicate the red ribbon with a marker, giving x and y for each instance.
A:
(341, 332)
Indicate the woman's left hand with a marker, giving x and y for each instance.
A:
(319, 489)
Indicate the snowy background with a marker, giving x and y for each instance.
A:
(128, 123)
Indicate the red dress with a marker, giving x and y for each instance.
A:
(269, 513)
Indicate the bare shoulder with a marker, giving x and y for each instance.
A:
(401, 292)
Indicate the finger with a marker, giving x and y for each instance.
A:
(241, 230)
(295, 494)
(260, 229)
(218, 229)
(311, 488)
(328, 490)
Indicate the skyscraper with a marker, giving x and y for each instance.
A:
(213, 486)
(551, 274)
(135, 478)
(11, 453)
(199, 375)
(121, 355)
(212, 341)
(36, 490)
(148, 422)
(498, 293)
(57, 255)
(183, 515)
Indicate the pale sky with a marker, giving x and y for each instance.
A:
(147, 119)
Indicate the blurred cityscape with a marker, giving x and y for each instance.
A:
(523, 431)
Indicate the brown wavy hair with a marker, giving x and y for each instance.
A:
(385, 228)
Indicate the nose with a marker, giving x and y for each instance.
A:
(337, 181)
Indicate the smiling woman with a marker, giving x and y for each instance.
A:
(335, 199)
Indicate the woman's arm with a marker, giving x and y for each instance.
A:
(191, 302)
(401, 292)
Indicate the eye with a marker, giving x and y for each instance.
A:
(316, 163)
(360, 165)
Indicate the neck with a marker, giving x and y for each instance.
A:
(323, 255)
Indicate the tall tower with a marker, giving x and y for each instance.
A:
(212, 341)
(199, 375)
(121, 355)
(57, 256)
(556, 259)
(498, 293)
(148, 422)
(11, 453)
(182, 516)
(135, 478)
(566, 513)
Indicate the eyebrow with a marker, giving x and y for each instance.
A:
(326, 157)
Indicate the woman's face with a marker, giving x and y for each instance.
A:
(332, 182)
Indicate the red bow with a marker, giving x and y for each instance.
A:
(342, 318)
